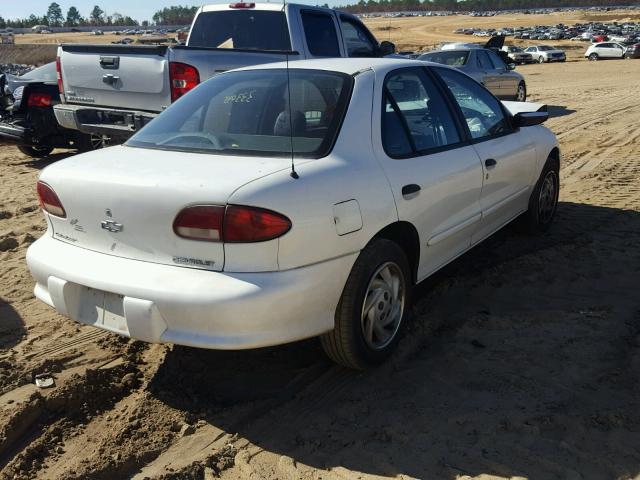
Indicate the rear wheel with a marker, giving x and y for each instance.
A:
(35, 152)
(543, 202)
(521, 94)
(87, 143)
(594, 57)
(541, 59)
(373, 307)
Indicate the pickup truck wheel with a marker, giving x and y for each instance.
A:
(87, 143)
(373, 307)
(594, 57)
(521, 94)
(35, 152)
(544, 199)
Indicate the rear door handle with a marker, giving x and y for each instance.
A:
(410, 189)
(490, 162)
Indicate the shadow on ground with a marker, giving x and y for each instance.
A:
(40, 163)
(12, 328)
(559, 111)
(522, 360)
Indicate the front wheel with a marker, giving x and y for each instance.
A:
(521, 94)
(35, 152)
(543, 202)
(540, 59)
(594, 57)
(373, 307)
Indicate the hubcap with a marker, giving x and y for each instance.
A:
(521, 93)
(99, 141)
(548, 198)
(383, 306)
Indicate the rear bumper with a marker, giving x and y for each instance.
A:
(163, 303)
(102, 121)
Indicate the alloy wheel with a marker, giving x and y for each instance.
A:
(548, 197)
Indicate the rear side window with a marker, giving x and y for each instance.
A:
(242, 29)
(481, 110)
(320, 32)
(247, 113)
(415, 118)
(451, 58)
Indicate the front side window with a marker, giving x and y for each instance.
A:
(481, 110)
(497, 62)
(320, 32)
(358, 43)
(483, 60)
(415, 118)
(248, 113)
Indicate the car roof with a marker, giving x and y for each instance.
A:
(349, 66)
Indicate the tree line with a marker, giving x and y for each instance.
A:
(370, 6)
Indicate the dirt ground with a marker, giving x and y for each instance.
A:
(522, 360)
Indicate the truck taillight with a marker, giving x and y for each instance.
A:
(242, 5)
(49, 201)
(233, 224)
(183, 78)
(59, 75)
(39, 100)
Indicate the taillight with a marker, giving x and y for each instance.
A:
(200, 222)
(49, 201)
(59, 76)
(39, 100)
(242, 5)
(183, 78)
(233, 224)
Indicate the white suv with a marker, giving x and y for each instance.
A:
(605, 50)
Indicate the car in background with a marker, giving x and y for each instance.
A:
(26, 114)
(244, 216)
(546, 54)
(517, 55)
(605, 50)
(632, 51)
(486, 67)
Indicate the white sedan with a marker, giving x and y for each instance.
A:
(251, 214)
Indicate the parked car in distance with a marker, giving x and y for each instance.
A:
(486, 67)
(517, 55)
(605, 50)
(632, 51)
(117, 89)
(546, 53)
(26, 114)
(245, 215)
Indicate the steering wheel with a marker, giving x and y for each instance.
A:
(199, 136)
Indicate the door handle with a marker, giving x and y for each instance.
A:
(490, 162)
(410, 189)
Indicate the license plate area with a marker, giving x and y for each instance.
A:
(102, 309)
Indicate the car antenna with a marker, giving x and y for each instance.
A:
(293, 173)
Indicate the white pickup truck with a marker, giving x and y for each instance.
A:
(114, 90)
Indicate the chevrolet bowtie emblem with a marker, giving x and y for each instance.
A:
(111, 226)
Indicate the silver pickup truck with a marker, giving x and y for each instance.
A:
(114, 90)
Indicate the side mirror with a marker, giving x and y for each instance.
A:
(528, 119)
(511, 66)
(386, 48)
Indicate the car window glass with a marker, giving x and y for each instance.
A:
(358, 43)
(320, 32)
(481, 110)
(453, 58)
(483, 60)
(415, 117)
(497, 62)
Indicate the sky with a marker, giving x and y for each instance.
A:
(138, 9)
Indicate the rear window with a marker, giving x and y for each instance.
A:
(451, 58)
(247, 113)
(242, 29)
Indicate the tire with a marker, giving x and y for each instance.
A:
(541, 59)
(521, 94)
(348, 344)
(35, 152)
(594, 57)
(543, 202)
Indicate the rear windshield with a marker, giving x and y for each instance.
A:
(244, 29)
(451, 58)
(247, 113)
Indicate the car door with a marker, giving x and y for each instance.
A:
(507, 154)
(508, 80)
(434, 173)
(534, 52)
(490, 76)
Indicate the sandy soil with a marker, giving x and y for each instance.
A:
(522, 359)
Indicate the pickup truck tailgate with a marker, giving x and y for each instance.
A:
(117, 76)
